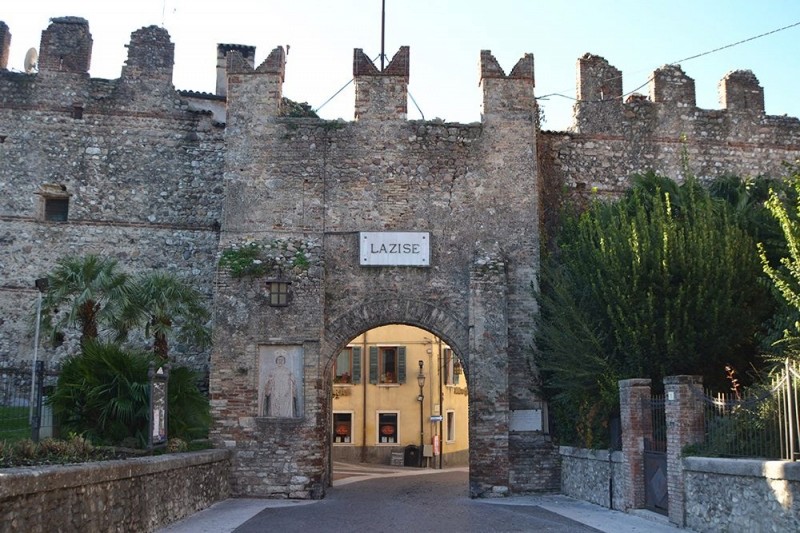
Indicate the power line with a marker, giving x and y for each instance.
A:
(795, 24)
(736, 43)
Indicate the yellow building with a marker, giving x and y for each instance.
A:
(379, 408)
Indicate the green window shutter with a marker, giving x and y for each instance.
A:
(401, 364)
(373, 364)
(356, 365)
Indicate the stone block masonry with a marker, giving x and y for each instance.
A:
(140, 494)
(142, 174)
(741, 494)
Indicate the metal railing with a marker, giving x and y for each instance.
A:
(657, 441)
(24, 412)
(761, 422)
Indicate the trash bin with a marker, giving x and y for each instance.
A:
(411, 456)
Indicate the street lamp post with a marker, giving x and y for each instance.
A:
(420, 398)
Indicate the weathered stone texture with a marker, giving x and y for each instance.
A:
(594, 476)
(66, 46)
(666, 133)
(141, 494)
(329, 180)
(5, 44)
(142, 173)
(741, 495)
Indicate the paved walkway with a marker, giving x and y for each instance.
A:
(226, 516)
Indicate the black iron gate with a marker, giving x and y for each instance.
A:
(655, 459)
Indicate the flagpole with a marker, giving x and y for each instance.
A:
(383, 30)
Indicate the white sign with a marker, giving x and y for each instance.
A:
(525, 420)
(394, 248)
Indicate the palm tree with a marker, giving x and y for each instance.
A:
(91, 293)
(167, 305)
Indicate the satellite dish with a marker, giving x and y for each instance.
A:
(31, 57)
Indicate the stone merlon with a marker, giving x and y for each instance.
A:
(381, 95)
(66, 46)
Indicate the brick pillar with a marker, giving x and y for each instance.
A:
(636, 422)
(685, 425)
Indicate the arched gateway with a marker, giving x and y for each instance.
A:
(373, 222)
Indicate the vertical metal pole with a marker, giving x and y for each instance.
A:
(35, 352)
(791, 411)
(38, 387)
(421, 419)
(383, 30)
(442, 370)
(151, 375)
(364, 382)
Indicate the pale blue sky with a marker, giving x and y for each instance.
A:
(446, 37)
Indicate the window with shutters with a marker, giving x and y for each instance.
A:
(387, 365)
(348, 366)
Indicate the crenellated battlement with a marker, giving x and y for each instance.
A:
(671, 86)
(151, 55)
(254, 94)
(507, 96)
(670, 110)
(133, 169)
(381, 95)
(740, 92)
(66, 46)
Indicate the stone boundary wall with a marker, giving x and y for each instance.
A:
(594, 476)
(741, 494)
(140, 494)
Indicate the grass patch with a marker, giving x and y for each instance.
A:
(14, 424)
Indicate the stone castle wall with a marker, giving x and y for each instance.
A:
(156, 179)
(142, 172)
(615, 136)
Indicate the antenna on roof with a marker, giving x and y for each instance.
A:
(31, 59)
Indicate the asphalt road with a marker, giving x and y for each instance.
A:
(437, 502)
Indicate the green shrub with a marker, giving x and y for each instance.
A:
(664, 281)
(103, 394)
(189, 411)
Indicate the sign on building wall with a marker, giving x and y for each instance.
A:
(394, 248)
(525, 420)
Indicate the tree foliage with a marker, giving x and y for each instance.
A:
(785, 272)
(89, 292)
(94, 295)
(663, 281)
(166, 306)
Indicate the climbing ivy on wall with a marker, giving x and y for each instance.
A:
(257, 259)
